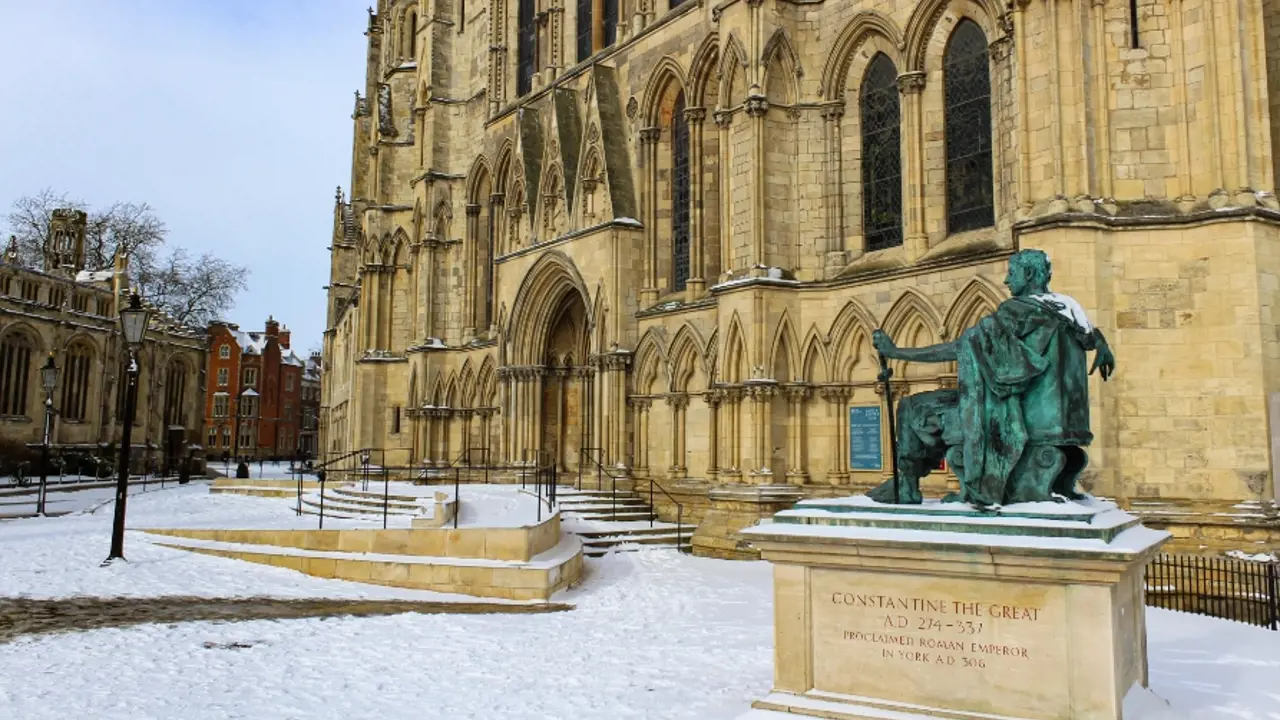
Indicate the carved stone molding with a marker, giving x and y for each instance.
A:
(832, 113)
(639, 404)
(723, 118)
(796, 393)
(756, 105)
(650, 135)
(836, 393)
(678, 402)
(911, 83)
(1002, 48)
(695, 115)
(473, 210)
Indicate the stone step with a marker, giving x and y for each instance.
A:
(339, 506)
(596, 552)
(624, 539)
(620, 516)
(358, 498)
(598, 508)
(606, 532)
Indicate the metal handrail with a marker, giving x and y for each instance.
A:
(652, 512)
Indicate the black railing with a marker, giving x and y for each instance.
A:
(589, 455)
(1228, 588)
(542, 465)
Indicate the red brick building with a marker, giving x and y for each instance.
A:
(253, 403)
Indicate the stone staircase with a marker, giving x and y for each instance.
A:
(624, 524)
(348, 502)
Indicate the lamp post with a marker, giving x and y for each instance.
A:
(48, 378)
(133, 326)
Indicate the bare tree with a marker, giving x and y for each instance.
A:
(132, 228)
(193, 291)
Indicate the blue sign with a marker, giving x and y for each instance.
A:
(865, 448)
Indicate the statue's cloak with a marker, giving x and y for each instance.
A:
(1022, 379)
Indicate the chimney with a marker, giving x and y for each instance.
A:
(273, 327)
(284, 338)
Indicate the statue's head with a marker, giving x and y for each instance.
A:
(1029, 273)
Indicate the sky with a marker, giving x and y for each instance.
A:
(231, 118)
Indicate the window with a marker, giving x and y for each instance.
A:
(223, 374)
(57, 296)
(610, 22)
(104, 307)
(80, 302)
(288, 411)
(246, 438)
(585, 28)
(175, 395)
(1135, 39)
(881, 156)
(30, 290)
(224, 352)
(525, 47)
(251, 376)
(679, 195)
(970, 195)
(75, 383)
(226, 437)
(288, 383)
(6, 284)
(221, 401)
(395, 421)
(15, 374)
(248, 406)
(213, 437)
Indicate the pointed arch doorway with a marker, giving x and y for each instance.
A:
(550, 387)
(564, 383)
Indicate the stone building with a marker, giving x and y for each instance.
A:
(253, 404)
(662, 231)
(74, 314)
(309, 427)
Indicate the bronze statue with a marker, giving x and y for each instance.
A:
(1016, 428)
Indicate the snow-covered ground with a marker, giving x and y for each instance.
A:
(654, 635)
(65, 499)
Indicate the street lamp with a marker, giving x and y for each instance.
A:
(133, 325)
(49, 379)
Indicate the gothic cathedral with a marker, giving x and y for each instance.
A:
(655, 236)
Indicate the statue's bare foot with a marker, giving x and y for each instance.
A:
(884, 493)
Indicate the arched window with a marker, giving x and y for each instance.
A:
(175, 395)
(526, 30)
(585, 29)
(881, 155)
(15, 374)
(970, 193)
(75, 383)
(411, 36)
(224, 352)
(679, 196)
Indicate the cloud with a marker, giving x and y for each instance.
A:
(232, 118)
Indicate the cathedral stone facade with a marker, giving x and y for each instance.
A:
(658, 233)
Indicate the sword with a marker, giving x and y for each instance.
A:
(885, 373)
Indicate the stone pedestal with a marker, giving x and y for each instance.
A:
(734, 507)
(939, 611)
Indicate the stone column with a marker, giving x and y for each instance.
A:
(724, 120)
(678, 404)
(797, 434)
(649, 153)
(640, 408)
(429, 284)
(757, 107)
(713, 398)
(697, 238)
(837, 256)
(731, 410)
(506, 397)
(916, 236)
(473, 271)
(762, 394)
(837, 397)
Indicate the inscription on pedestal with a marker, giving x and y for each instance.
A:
(943, 642)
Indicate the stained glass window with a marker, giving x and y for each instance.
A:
(584, 29)
(524, 51)
(610, 22)
(679, 196)
(970, 194)
(881, 155)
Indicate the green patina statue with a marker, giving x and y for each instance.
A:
(1016, 428)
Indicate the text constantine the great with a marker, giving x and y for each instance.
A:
(941, 607)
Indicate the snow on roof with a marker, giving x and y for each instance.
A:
(91, 276)
(292, 359)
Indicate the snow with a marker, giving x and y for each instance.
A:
(655, 634)
(1257, 557)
